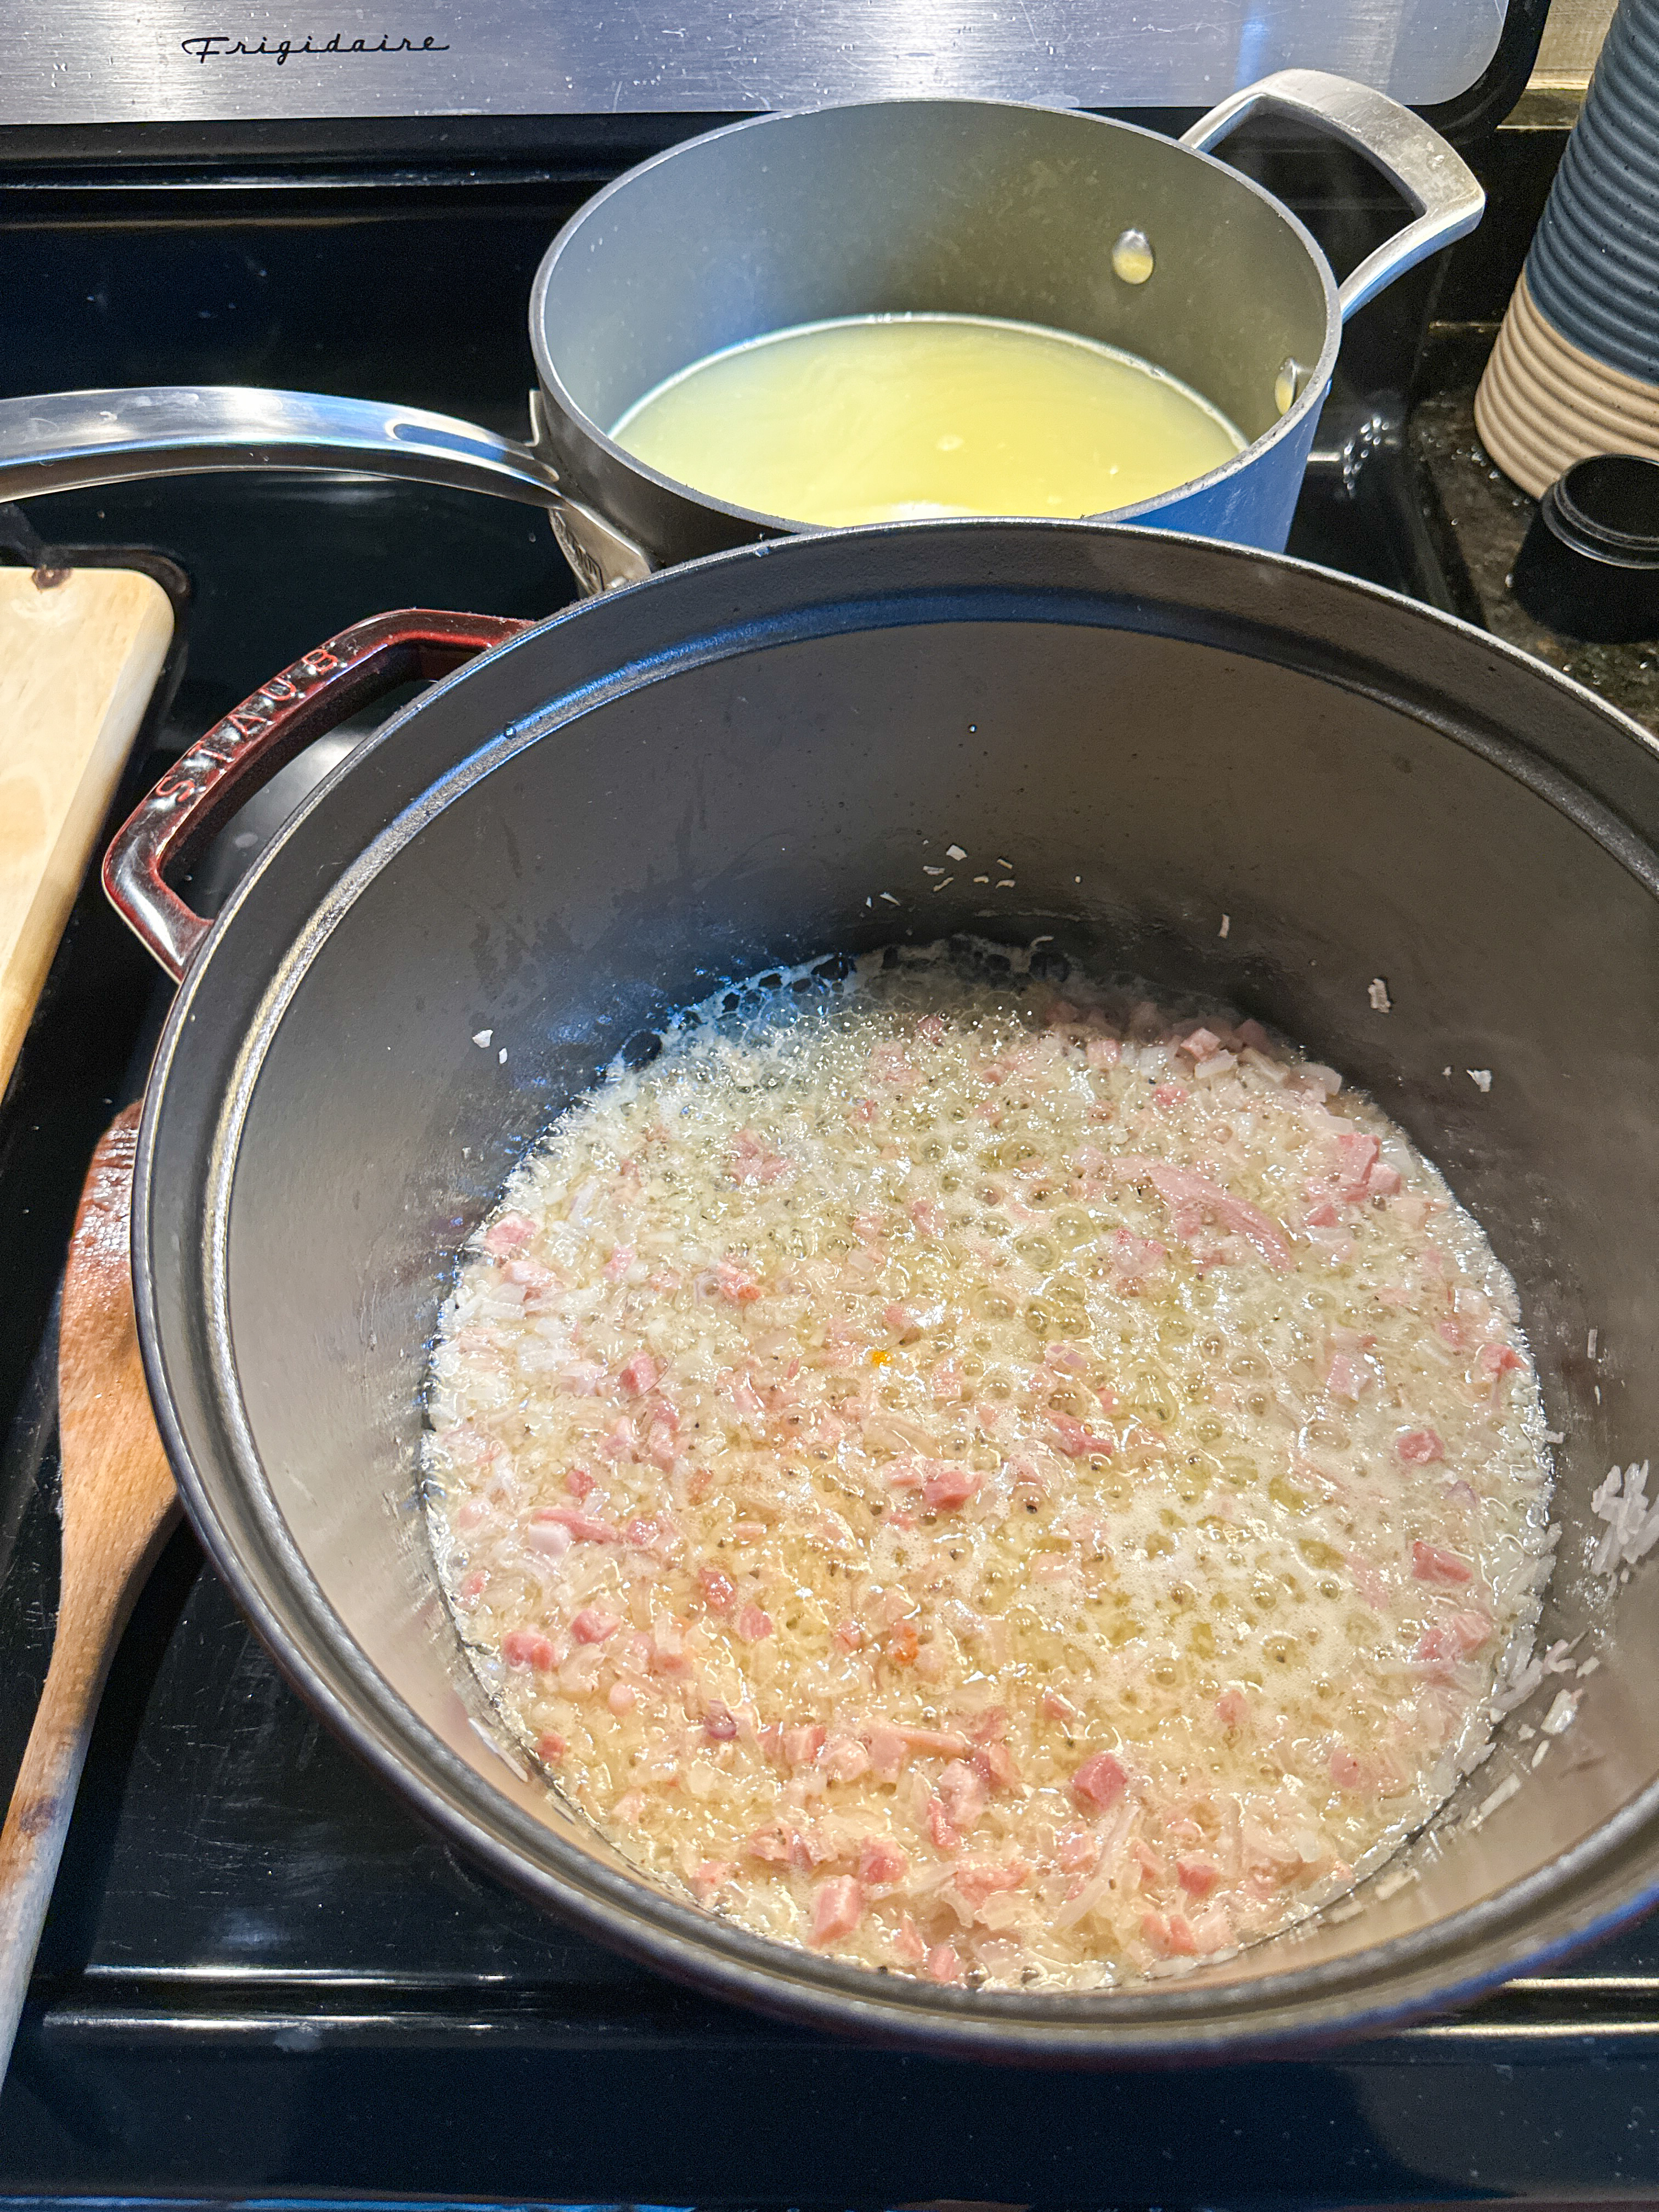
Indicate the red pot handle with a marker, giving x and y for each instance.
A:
(208, 782)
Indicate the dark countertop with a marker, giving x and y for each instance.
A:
(1486, 518)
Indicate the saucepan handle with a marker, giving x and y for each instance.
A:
(208, 782)
(1440, 186)
(75, 440)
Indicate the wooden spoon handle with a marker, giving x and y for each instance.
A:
(32, 1842)
(118, 1505)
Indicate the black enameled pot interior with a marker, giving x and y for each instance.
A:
(729, 766)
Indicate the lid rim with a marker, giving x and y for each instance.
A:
(1584, 533)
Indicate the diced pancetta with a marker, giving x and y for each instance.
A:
(1100, 1782)
(837, 1908)
(1433, 1563)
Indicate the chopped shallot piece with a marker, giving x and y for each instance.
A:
(887, 1749)
(908, 1942)
(581, 1526)
(945, 1741)
(772, 1844)
(1447, 1642)
(1074, 1440)
(844, 1759)
(639, 1375)
(1347, 1772)
(961, 1792)
(1497, 1360)
(590, 1625)
(1213, 1930)
(753, 1624)
(902, 1641)
(752, 1161)
(1346, 1377)
(943, 1964)
(508, 1233)
(1191, 1197)
(1371, 1585)
(975, 1879)
(939, 1827)
(1198, 1877)
(720, 1722)
(889, 1064)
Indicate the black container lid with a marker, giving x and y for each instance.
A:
(1589, 567)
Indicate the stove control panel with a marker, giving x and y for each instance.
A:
(114, 61)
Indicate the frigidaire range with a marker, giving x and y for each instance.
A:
(261, 1980)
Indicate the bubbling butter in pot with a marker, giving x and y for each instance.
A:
(987, 1477)
(892, 418)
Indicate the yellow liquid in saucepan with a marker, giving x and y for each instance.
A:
(885, 418)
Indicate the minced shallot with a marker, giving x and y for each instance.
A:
(987, 1478)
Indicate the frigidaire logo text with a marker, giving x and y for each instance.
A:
(220, 46)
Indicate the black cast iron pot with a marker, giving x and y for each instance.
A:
(738, 764)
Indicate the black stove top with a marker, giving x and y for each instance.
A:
(261, 1979)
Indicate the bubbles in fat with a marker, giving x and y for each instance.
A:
(1252, 1490)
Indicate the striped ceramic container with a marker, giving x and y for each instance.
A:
(1575, 369)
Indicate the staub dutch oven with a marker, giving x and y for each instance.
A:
(601, 817)
(946, 206)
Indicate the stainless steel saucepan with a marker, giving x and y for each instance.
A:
(738, 764)
(959, 206)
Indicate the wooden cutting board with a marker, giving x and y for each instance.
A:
(80, 653)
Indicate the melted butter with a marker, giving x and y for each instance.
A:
(836, 1236)
(891, 418)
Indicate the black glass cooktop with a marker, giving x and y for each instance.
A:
(261, 1979)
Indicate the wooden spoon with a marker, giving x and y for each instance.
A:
(119, 1505)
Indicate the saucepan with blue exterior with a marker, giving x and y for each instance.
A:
(961, 207)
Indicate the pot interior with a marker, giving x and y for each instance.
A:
(1153, 732)
(949, 206)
